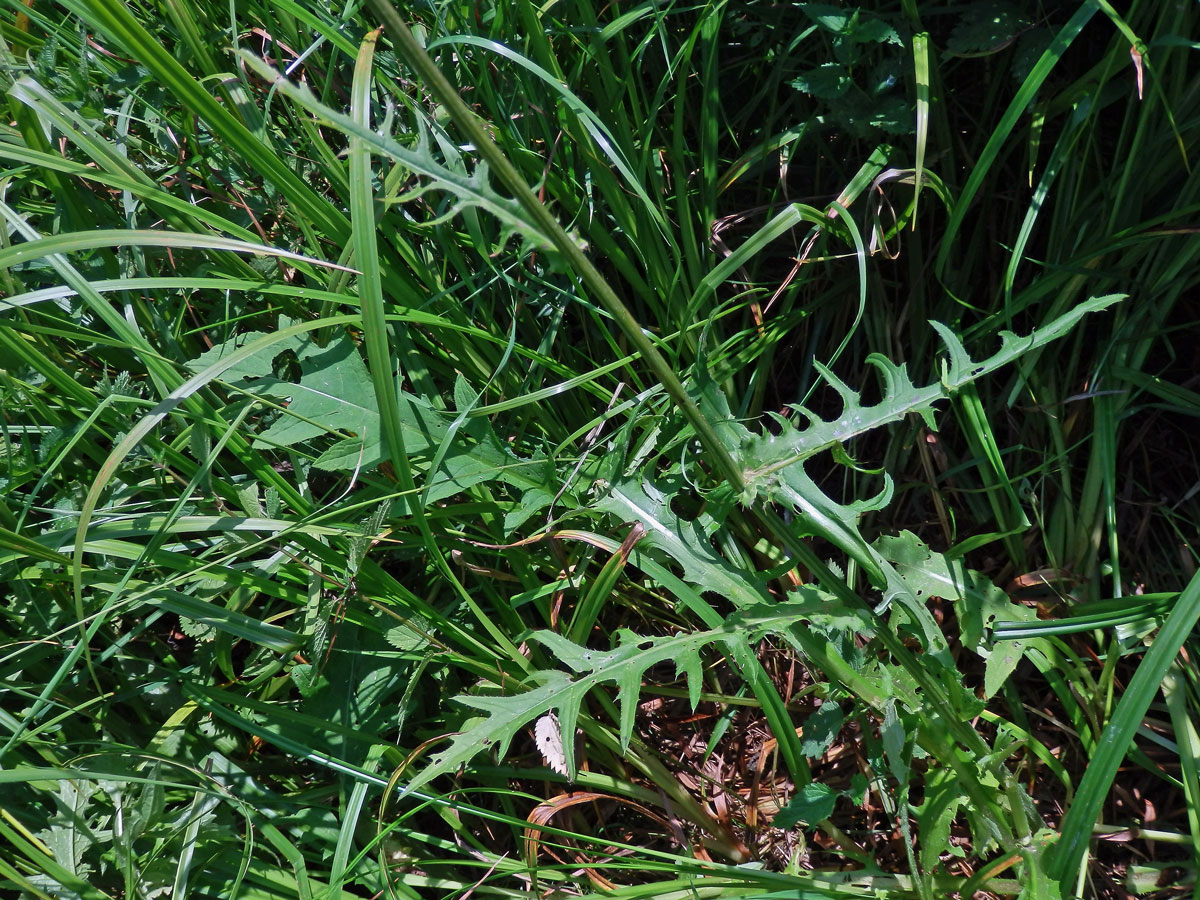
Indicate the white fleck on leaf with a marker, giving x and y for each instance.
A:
(548, 734)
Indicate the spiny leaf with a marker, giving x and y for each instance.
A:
(74, 829)
(765, 455)
(943, 797)
(466, 190)
(625, 665)
(773, 465)
(684, 542)
(978, 602)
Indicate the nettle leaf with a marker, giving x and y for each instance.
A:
(831, 18)
(851, 23)
(563, 693)
(891, 114)
(978, 602)
(813, 803)
(308, 679)
(828, 81)
(870, 30)
(985, 27)
(200, 631)
(410, 636)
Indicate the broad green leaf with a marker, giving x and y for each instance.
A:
(813, 803)
(334, 395)
(530, 504)
(851, 22)
(410, 636)
(821, 729)
(73, 829)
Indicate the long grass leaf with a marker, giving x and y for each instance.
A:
(996, 141)
(118, 20)
(1076, 829)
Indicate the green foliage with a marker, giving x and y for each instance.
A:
(625, 665)
(363, 405)
(862, 92)
(332, 396)
(987, 26)
(813, 803)
(979, 604)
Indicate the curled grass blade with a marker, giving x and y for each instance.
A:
(594, 126)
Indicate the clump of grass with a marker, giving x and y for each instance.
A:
(512, 455)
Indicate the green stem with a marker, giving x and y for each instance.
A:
(723, 462)
(470, 124)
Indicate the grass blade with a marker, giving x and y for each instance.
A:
(1076, 829)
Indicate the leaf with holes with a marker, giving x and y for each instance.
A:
(978, 603)
(333, 395)
(685, 543)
